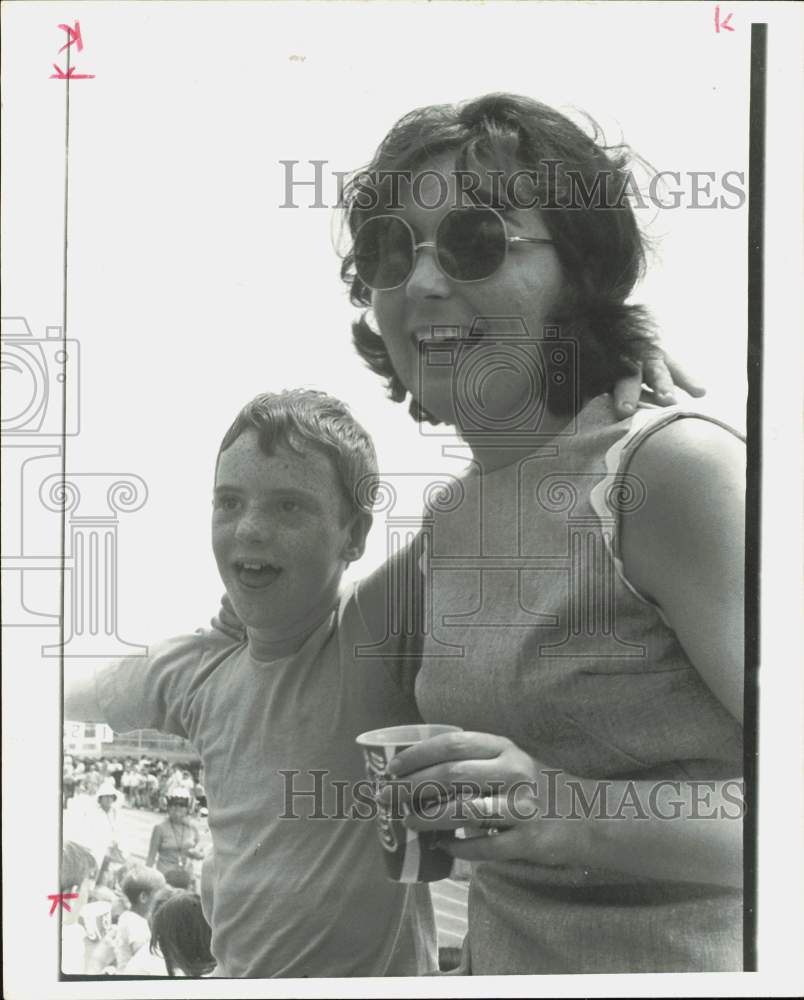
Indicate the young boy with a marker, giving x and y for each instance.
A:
(140, 886)
(305, 896)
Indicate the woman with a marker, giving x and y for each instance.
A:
(174, 841)
(585, 573)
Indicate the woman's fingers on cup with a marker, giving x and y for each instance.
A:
(486, 833)
(450, 779)
(433, 784)
(474, 816)
(443, 748)
(506, 845)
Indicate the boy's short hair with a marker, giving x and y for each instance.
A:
(77, 864)
(294, 417)
(141, 880)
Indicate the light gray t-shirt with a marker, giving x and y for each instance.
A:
(291, 897)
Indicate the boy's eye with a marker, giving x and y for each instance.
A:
(226, 503)
(289, 506)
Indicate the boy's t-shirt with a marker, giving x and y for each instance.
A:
(132, 933)
(303, 896)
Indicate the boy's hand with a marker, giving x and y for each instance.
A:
(227, 621)
(660, 373)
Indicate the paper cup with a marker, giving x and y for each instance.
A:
(409, 856)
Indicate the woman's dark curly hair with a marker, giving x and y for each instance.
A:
(601, 249)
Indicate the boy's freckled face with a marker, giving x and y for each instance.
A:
(278, 532)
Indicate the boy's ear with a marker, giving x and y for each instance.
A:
(359, 527)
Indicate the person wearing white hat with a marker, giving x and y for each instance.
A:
(99, 824)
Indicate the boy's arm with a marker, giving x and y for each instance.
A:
(142, 692)
(391, 598)
(80, 693)
(391, 603)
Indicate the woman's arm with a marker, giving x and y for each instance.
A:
(684, 548)
(156, 843)
(686, 832)
(678, 831)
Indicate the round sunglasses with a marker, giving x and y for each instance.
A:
(470, 245)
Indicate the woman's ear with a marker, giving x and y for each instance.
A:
(359, 527)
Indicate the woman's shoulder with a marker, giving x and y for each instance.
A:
(676, 451)
(692, 484)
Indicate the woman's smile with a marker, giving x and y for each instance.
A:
(436, 328)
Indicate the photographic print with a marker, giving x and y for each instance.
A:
(399, 496)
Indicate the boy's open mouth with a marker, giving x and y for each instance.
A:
(255, 574)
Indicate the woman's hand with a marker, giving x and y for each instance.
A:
(649, 829)
(660, 373)
(496, 793)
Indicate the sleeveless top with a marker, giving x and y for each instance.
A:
(174, 842)
(533, 633)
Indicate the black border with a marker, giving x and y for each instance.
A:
(756, 274)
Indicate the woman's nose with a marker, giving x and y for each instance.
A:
(426, 279)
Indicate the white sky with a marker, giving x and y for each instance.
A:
(190, 289)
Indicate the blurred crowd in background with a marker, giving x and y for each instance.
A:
(144, 783)
(137, 879)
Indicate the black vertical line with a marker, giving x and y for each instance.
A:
(63, 512)
(756, 251)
